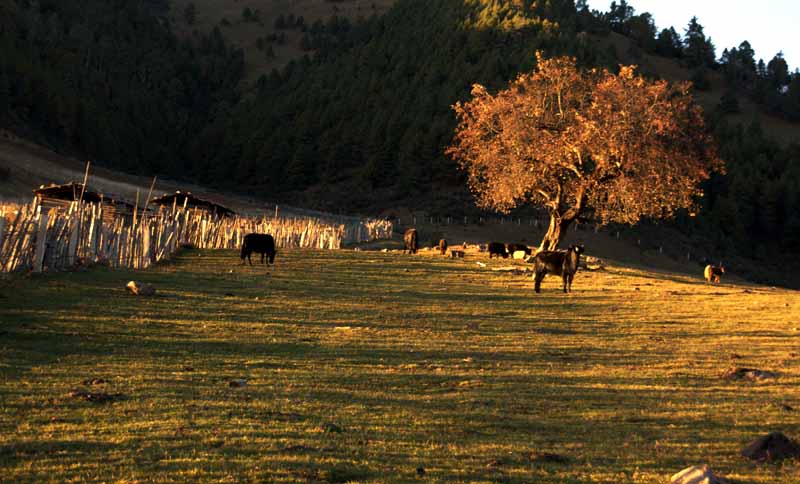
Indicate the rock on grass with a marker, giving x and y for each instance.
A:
(697, 475)
(331, 428)
(548, 457)
(96, 397)
(751, 374)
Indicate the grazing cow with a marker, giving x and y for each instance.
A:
(713, 273)
(562, 263)
(511, 248)
(498, 249)
(410, 241)
(443, 246)
(262, 244)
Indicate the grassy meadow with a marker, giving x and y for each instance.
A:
(379, 367)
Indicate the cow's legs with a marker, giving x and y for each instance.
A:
(567, 278)
(537, 278)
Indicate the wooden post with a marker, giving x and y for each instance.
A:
(72, 249)
(99, 239)
(149, 194)
(13, 229)
(93, 235)
(41, 236)
(2, 234)
(147, 258)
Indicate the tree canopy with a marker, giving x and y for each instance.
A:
(584, 143)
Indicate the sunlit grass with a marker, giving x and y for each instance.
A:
(421, 361)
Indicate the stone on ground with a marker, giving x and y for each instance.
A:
(752, 374)
(697, 475)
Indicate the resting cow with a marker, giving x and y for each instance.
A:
(563, 263)
(262, 244)
(410, 241)
(511, 248)
(498, 249)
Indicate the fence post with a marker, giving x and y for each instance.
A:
(2, 233)
(72, 248)
(38, 258)
(146, 244)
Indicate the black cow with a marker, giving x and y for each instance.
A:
(562, 263)
(262, 244)
(498, 249)
(411, 241)
(443, 246)
(511, 248)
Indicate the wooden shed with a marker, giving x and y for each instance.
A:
(192, 201)
(61, 196)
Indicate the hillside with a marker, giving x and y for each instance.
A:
(674, 70)
(25, 166)
(267, 47)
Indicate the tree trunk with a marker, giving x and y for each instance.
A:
(555, 232)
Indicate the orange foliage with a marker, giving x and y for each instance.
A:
(581, 143)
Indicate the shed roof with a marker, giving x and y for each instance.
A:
(193, 201)
(72, 191)
(68, 191)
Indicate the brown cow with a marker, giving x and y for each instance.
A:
(411, 241)
(713, 273)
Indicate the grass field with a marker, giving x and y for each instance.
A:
(365, 366)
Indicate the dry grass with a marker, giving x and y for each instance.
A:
(422, 362)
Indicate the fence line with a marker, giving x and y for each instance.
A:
(35, 238)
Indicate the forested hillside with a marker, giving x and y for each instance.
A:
(370, 114)
(109, 80)
(359, 120)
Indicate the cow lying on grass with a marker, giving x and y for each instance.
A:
(563, 263)
(511, 248)
(262, 244)
(713, 273)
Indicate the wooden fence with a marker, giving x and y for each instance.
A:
(36, 238)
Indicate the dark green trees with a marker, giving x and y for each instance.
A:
(697, 49)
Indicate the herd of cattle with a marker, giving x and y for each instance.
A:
(562, 263)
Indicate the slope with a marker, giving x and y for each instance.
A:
(265, 45)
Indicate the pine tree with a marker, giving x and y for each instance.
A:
(697, 49)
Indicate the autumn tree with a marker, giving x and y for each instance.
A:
(584, 144)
